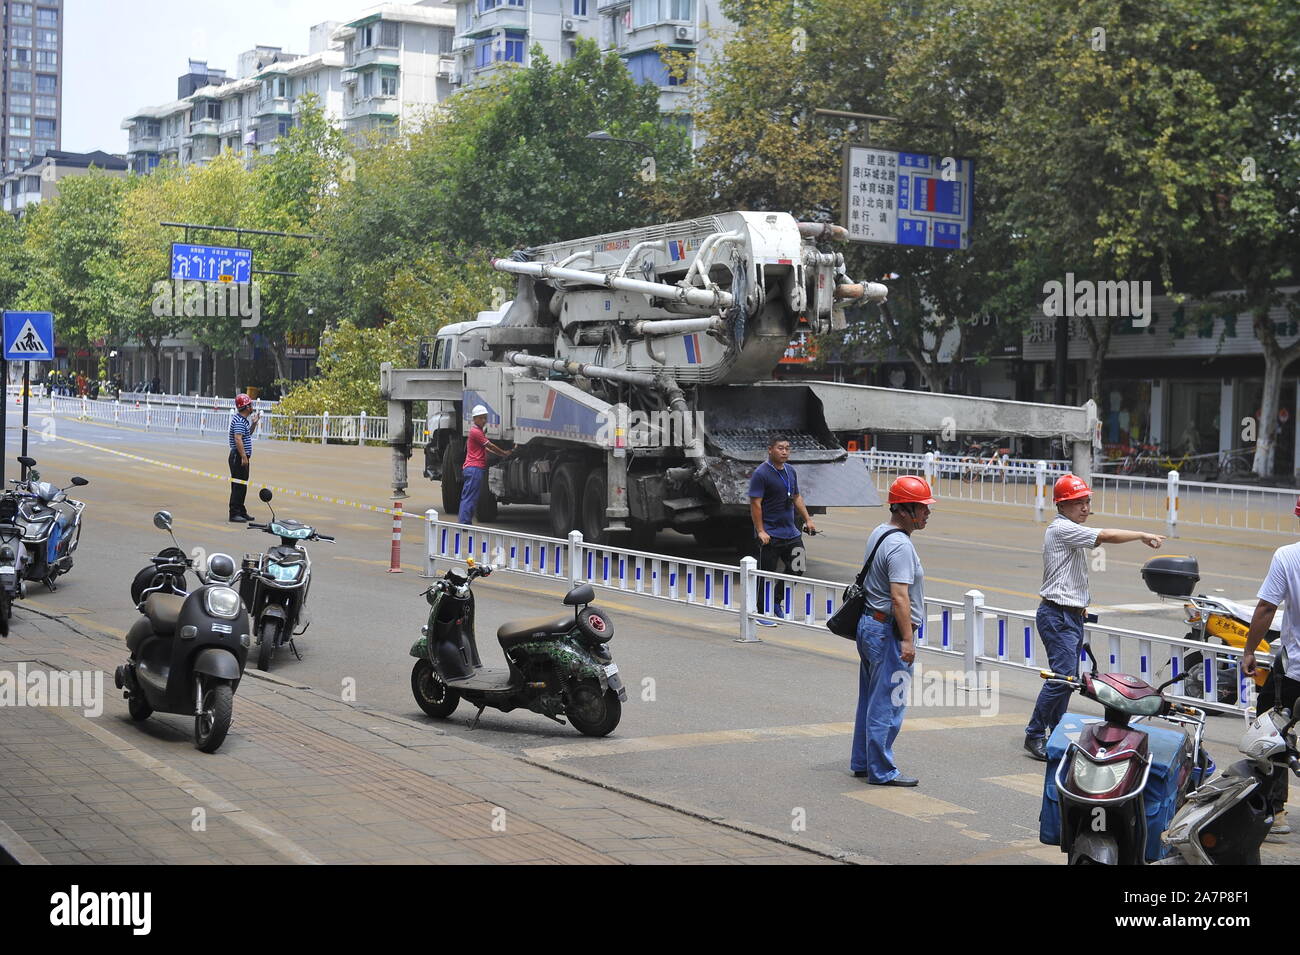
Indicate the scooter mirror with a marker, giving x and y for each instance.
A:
(163, 521)
(264, 495)
(27, 462)
(79, 481)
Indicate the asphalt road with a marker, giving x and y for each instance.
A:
(755, 732)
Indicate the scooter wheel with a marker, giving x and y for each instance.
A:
(434, 697)
(593, 713)
(211, 726)
(266, 645)
(139, 708)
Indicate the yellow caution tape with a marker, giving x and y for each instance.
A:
(226, 477)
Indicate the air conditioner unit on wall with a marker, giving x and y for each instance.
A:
(685, 33)
(568, 26)
(454, 79)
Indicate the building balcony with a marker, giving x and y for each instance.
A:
(374, 106)
(375, 56)
(666, 33)
(274, 106)
(503, 18)
(230, 126)
(143, 144)
(603, 5)
(204, 127)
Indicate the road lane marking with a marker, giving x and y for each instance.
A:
(908, 802)
(671, 741)
(1031, 784)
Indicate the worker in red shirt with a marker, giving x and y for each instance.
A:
(474, 471)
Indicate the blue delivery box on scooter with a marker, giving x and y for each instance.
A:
(1168, 750)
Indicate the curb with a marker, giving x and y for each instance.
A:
(15, 850)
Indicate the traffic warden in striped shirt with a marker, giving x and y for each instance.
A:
(243, 422)
(1065, 596)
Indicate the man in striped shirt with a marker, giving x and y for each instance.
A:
(1065, 596)
(242, 425)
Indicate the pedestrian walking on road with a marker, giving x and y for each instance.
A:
(474, 471)
(774, 499)
(242, 425)
(1064, 607)
(894, 586)
(1282, 585)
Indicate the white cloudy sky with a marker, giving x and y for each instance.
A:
(120, 55)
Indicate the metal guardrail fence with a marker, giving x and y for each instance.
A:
(190, 401)
(1027, 484)
(348, 429)
(978, 635)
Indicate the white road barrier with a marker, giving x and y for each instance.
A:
(969, 631)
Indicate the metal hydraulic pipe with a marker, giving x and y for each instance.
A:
(823, 230)
(715, 298)
(676, 326)
(704, 258)
(867, 291)
(578, 369)
(656, 244)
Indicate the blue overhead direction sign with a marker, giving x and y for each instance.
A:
(29, 336)
(211, 263)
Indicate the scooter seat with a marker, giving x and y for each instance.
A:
(163, 610)
(523, 631)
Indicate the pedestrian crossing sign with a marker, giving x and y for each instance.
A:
(29, 336)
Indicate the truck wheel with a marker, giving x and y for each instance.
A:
(566, 487)
(594, 499)
(453, 456)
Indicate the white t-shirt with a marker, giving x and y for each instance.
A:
(1283, 585)
(1065, 562)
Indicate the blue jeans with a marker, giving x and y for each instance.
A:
(883, 684)
(470, 491)
(1062, 635)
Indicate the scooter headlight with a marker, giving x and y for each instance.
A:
(285, 573)
(1097, 778)
(222, 602)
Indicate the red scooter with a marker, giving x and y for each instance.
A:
(1110, 792)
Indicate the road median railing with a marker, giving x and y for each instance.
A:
(1028, 484)
(970, 632)
(201, 420)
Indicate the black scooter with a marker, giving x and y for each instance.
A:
(274, 585)
(556, 667)
(51, 522)
(188, 653)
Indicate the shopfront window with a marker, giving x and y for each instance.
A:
(1125, 415)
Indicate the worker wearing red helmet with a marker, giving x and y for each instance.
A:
(894, 611)
(1064, 607)
(243, 423)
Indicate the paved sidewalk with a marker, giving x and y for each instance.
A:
(303, 778)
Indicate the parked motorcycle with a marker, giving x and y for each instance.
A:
(274, 585)
(13, 559)
(188, 653)
(1110, 793)
(556, 667)
(1211, 620)
(51, 524)
(1226, 821)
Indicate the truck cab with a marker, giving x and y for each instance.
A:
(456, 346)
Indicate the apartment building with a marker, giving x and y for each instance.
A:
(33, 81)
(244, 114)
(398, 64)
(490, 34)
(38, 180)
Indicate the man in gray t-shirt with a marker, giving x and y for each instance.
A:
(1065, 597)
(895, 609)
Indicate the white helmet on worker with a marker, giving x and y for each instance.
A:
(479, 410)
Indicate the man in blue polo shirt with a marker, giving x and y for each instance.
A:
(242, 425)
(773, 500)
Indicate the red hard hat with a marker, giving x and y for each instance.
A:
(242, 401)
(910, 489)
(1070, 488)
